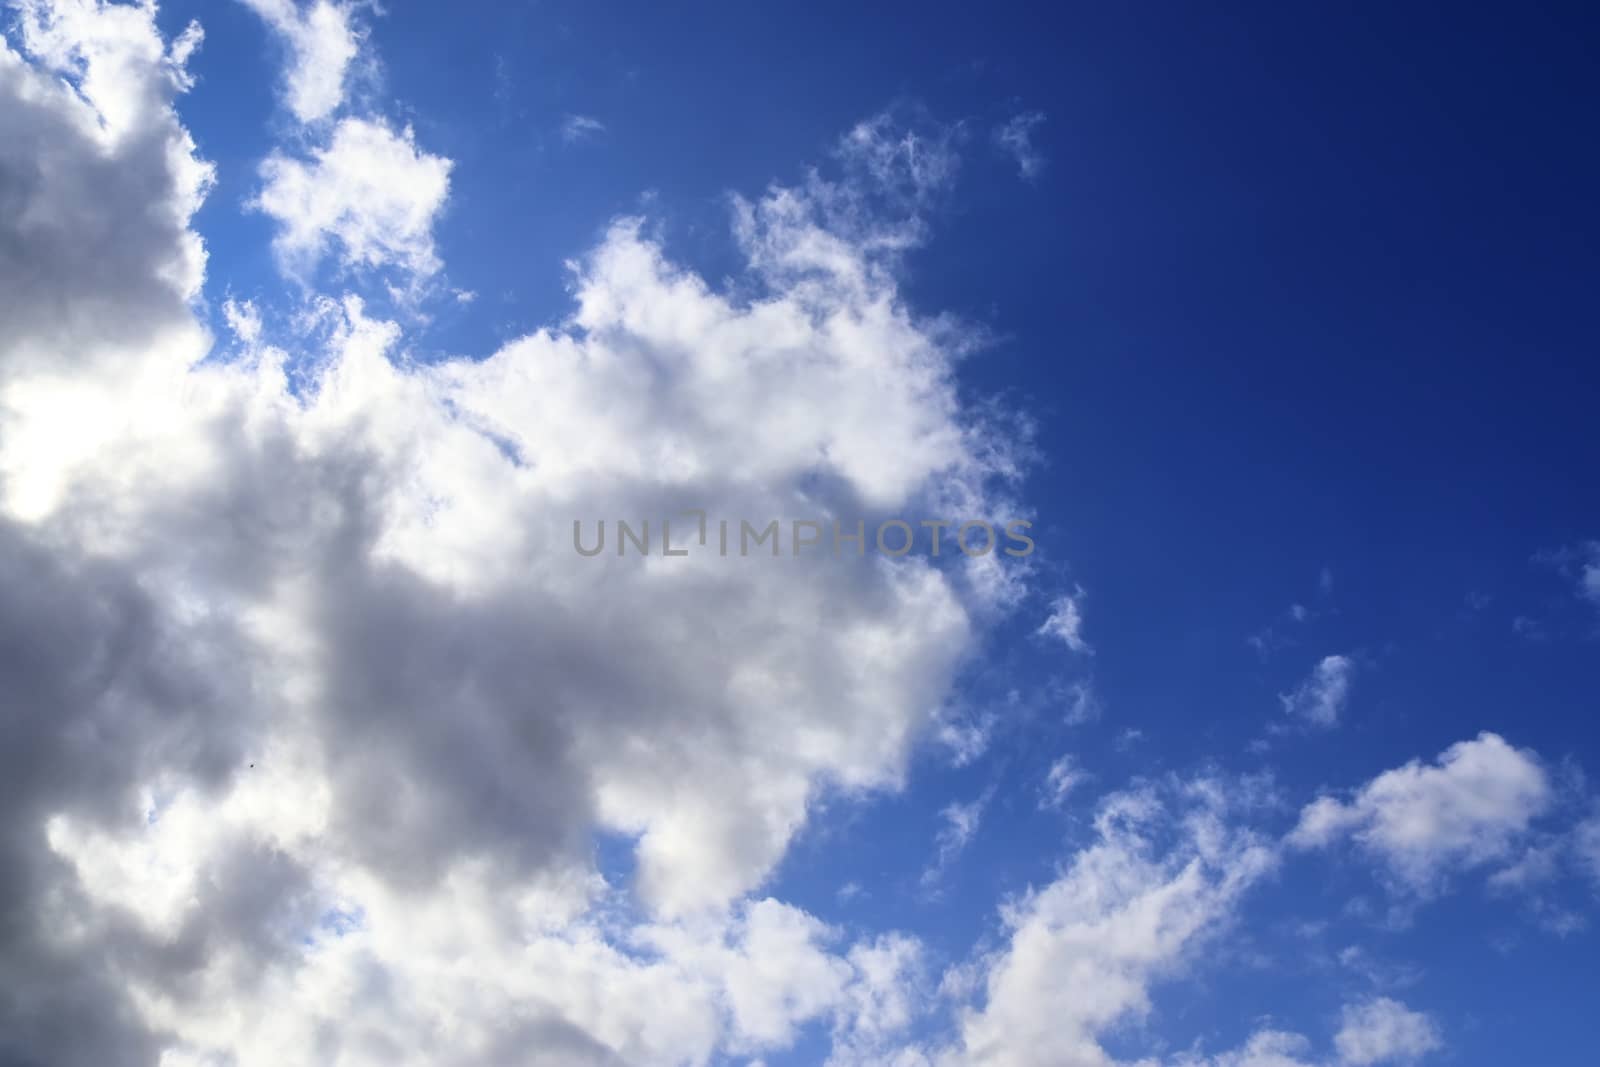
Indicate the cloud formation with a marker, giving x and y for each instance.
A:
(98, 182)
(1383, 1030)
(370, 197)
(576, 128)
(1015, 137)
(1425, 821)
(320, 742)
(1320, 698)
(351, 711)
(1065, 622)
(1082, 954)
(323, 41)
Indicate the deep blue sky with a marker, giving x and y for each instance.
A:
(1300, 289)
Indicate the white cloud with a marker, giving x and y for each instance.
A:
(961, 822)
(1589, 576)
(244, 320)
(98, 182)
(1064, 776)
(965, 739)
(1580, 564)
(1376, 971)
(1015, 137)
(1268, 1048)
(1528, 628)
(317, 690)
(1321, 697)
(1586, 845)
(580, 127)
(1082, 953)
(852, 233)
(901, 156)
(887, 994)
(1372, 1033)
(370, 191)
(1065, 622)
(1383, 1030)
(1537, 864)
(1083, 703)
(323, 41)
(314, 716)
(1426, 820)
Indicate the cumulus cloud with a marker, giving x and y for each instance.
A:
(369, 196)
(359, 190)
(888, 992)
(1166, 870)
(323, 41)
(314, 718)
(313, 714)
(1383, 1030)
(1320, 698)
(98, 182)
(1423, 821)
(1372, 1033)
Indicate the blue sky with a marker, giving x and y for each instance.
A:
(1274, 322)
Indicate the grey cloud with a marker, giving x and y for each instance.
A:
(93, 245)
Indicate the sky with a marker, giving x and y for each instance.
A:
(323, 323)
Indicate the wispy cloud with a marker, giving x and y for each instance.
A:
(1065, 622)
(1321, 697)
(961, 822)
(1015, 137)
(1064, 776)
(575, 128)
